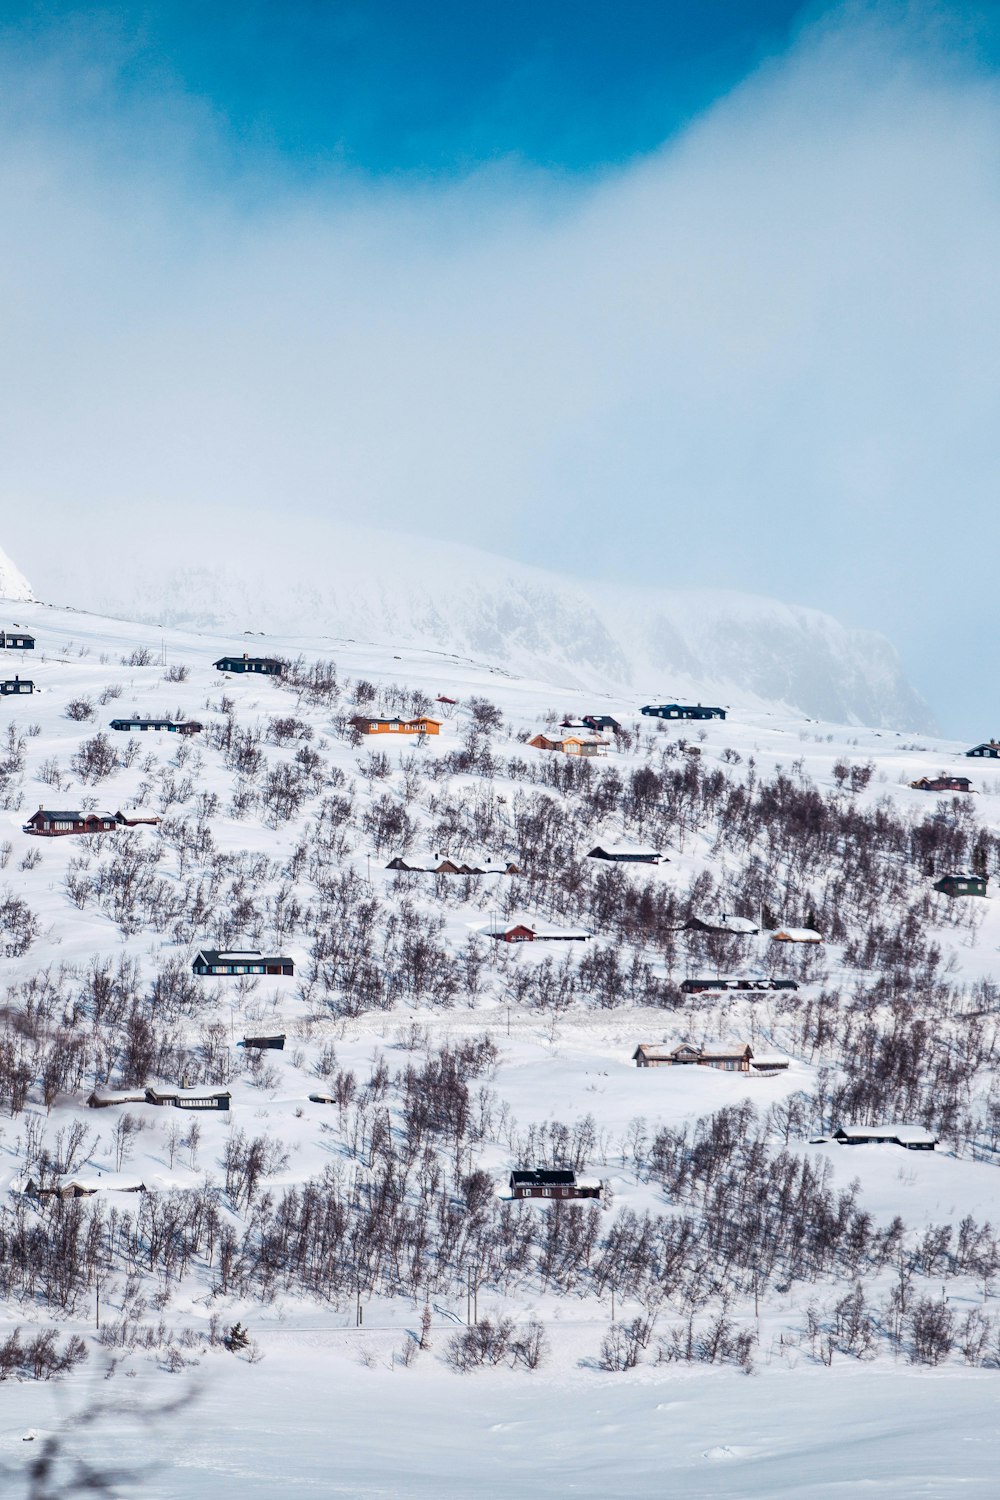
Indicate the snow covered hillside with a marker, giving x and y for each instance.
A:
(410, 1329)
(365, 585)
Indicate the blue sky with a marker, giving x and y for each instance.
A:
(685, 294)
(390, 86)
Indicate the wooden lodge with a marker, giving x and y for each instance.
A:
(942, 784)
(419, 725)
(796, 935)
(682, 711)
(580, 743)
(746, 982)
(725, 923)
(444, 864)
(546, 1182)
(962, 885)
(236, 961)
(529, 932)
(274, 1043)
(267, 666)
(910, 1137)
(627, 854)
(50, 824)
(731, 1058)
(989, 750)
(10, 685)
(138, 725)
(16, 640)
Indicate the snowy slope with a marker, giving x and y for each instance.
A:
(332, 1409)
(366, 585)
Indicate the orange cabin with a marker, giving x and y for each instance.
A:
(398, 726)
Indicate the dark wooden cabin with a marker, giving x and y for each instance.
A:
(682, 711)
(601, 723)
(264, 1043)
(202, 1098)
(545, 1182)
(626, 854)
(229, 962)
(167, 726)
(989, 750)
(942, 784)
(49, 824)
(962, 885)
(16, 640)
(268, 666)
(16, 685)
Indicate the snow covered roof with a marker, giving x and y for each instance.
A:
(903, 1135)
(796, 935)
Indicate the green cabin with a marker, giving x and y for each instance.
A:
(962, 885)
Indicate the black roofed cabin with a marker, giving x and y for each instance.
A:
(274, 1043)
(54, 824)
(202, 1098)
(942, 784)
(735, 982)
(16, 685)
(626, 854)
(269, 666)
(911, 1137)
(168, 726)
(240, 961)
(962, 885)
(601, 723)
(990, 750)
(545, 1182)
(683, 711)
(16, 640)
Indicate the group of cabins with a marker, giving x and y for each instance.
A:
(444, 864)
(176, 1098)
(749, 983)
(574, 742)
(48, 823)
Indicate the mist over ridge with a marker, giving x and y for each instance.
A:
(357, 583)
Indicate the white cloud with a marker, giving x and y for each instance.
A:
(765, 357)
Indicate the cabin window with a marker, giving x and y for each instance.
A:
(546, 1192)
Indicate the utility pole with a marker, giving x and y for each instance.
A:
(98, 1290)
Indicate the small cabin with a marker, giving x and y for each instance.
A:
(419, 725)
(725, 923)
(265, 1043)
(727, 1058)
(796, 935)
(545, 1182)
(682, 711)
(749, 982)
(236, 961)
(962, 885)
(10, 685)
(451, 702)
(85, 1187)
(157, 726)
(202, 1098)
(601, 723)
(942, 784)
(530, 932)
(627, 854)
(266, 666)
(49, 824)
(16, 640)
(910, 1137)
(990, 750)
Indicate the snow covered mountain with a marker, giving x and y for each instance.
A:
(389, 589)
(13, 584)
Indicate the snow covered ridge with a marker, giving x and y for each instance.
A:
(325, 1153)
(394, 590)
